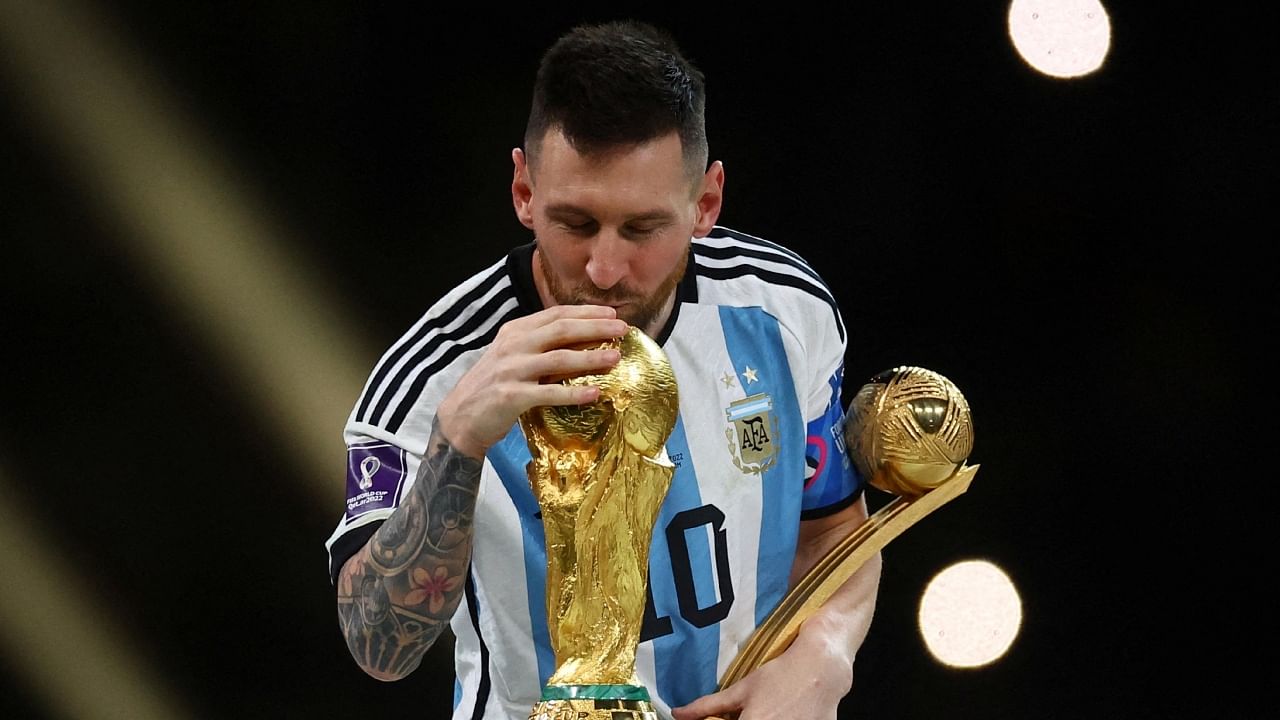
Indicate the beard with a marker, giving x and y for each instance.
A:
(641, 310)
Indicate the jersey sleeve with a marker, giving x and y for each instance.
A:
(379, 473)
(387, 432)
(831, 483)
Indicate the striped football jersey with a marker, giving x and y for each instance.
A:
(757, 345)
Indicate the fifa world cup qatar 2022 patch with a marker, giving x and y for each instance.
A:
(375, 477)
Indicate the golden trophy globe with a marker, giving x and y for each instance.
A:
(600, 473)
(909, 432)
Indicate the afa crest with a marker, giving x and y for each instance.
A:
(752, 433)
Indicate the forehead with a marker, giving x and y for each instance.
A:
(651, 172)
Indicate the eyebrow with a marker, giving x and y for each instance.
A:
(562, 209)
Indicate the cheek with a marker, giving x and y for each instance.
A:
(563, 258)
(661, 264)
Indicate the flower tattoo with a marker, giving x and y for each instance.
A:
(430, 587)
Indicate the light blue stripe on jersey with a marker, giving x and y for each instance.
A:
(685, 660)
(509, 458)
(753, 339)
(457, 693)
(741, 411)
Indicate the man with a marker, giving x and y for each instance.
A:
(441, 525)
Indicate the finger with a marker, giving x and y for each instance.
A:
(529, 323)
(565, 332)
(558, 365)
(721, 703)
(557, 394)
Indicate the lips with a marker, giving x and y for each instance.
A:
(611, 300)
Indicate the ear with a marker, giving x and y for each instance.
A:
(522, 189)
(710, 197)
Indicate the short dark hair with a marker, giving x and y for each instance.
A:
(616, 84)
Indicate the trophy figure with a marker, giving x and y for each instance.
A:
(600, 473)
(909, 432)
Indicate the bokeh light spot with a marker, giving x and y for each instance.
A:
(970, 614)
(1061, 38)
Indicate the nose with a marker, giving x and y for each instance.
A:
(607, 265)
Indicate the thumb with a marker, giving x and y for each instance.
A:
(725, 701)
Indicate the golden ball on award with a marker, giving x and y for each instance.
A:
(909, 429)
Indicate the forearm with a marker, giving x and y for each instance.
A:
(841, 624)
(398, 593)
(839, 627)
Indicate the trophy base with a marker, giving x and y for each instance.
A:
(594, 702)
(593, 710)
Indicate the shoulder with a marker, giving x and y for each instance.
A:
(734, 268)
(462, 315)
(436, 349)
(480, 295)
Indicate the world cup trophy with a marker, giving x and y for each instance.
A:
(909, 432)
(600, 473)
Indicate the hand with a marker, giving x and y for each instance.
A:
(507, 379)
(804, 683)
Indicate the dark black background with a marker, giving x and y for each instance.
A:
(1083, 258)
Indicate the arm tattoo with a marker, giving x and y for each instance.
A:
(397, 594)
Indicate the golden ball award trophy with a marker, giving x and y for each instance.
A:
(909, 432)
(600, 473)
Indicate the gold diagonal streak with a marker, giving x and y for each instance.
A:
(197, 236)
(69, 651)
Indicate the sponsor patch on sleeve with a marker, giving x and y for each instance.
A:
(375, 477)
(830, 477)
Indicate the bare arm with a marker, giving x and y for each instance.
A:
(396, 594)
(841, 624)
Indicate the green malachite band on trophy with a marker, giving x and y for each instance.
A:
(595, 692)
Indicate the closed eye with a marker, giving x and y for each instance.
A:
(580, 228)
(642, 232)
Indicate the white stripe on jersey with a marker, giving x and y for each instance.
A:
(497, 565)
(487, 324)
(694, 362)
(780, 260)
(466, 658)
(434, 346)
(646, 670)
(746, 239)
(722, 254)
(442, 307)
